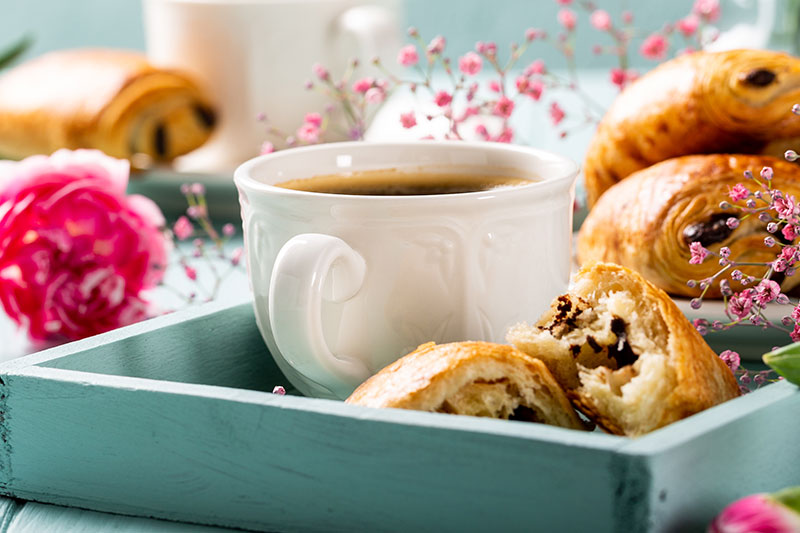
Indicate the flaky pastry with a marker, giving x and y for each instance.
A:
(470, 378)
(736, 101)
(629, 359)
(112, 100)
(648, 221)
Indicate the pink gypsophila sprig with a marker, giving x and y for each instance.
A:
(77, 252)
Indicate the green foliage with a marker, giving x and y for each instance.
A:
(10, 54)
(786, 362)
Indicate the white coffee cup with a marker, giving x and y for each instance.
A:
(254, 56)
(345, 284)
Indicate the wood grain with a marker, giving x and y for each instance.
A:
(210, 446)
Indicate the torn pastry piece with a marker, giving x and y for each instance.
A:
(111, 100)
(629, 359)
(470, 378)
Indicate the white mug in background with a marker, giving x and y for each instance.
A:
(345, 284)
(254, 56)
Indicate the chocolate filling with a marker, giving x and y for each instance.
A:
(593, 344)
(205, 115)
(760, 77)
(525, 414)
(621, 352)
(707, 233)
(160, 140)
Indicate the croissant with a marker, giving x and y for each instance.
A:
(628, 357)
(647, 221)
(707, 102)
(470, 378)
(112, 100)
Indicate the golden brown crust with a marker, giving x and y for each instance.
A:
(662, 370)
(702, 379)
(641, 222)
(433, 375)
(695, 104)
(112, 100)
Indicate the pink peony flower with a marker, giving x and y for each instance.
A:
(77, 252)
(601, 20)
(709, 10)
(567, 18)
(761, 513)
(688, 25)
(503, 107)
(738, 192)
(443, 98)
(556, 113)
(408, 120)
(654, 47)
(408, 56)
(470, 63)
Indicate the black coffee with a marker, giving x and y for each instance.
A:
(393, 182)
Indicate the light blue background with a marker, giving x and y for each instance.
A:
(118, 23)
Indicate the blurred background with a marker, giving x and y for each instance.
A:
(57, 24)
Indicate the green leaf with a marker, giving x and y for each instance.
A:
(785, 361)
(790, 497)
(11, 53)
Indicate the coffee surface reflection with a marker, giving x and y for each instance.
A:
(393, 182)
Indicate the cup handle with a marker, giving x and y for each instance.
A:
(295, 300)
(374, 28)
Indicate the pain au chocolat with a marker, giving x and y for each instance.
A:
(112, 100)
(647, 221)
(736, 101)
(470, 378)
(627, 356)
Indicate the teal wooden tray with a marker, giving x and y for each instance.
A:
(173, 418)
